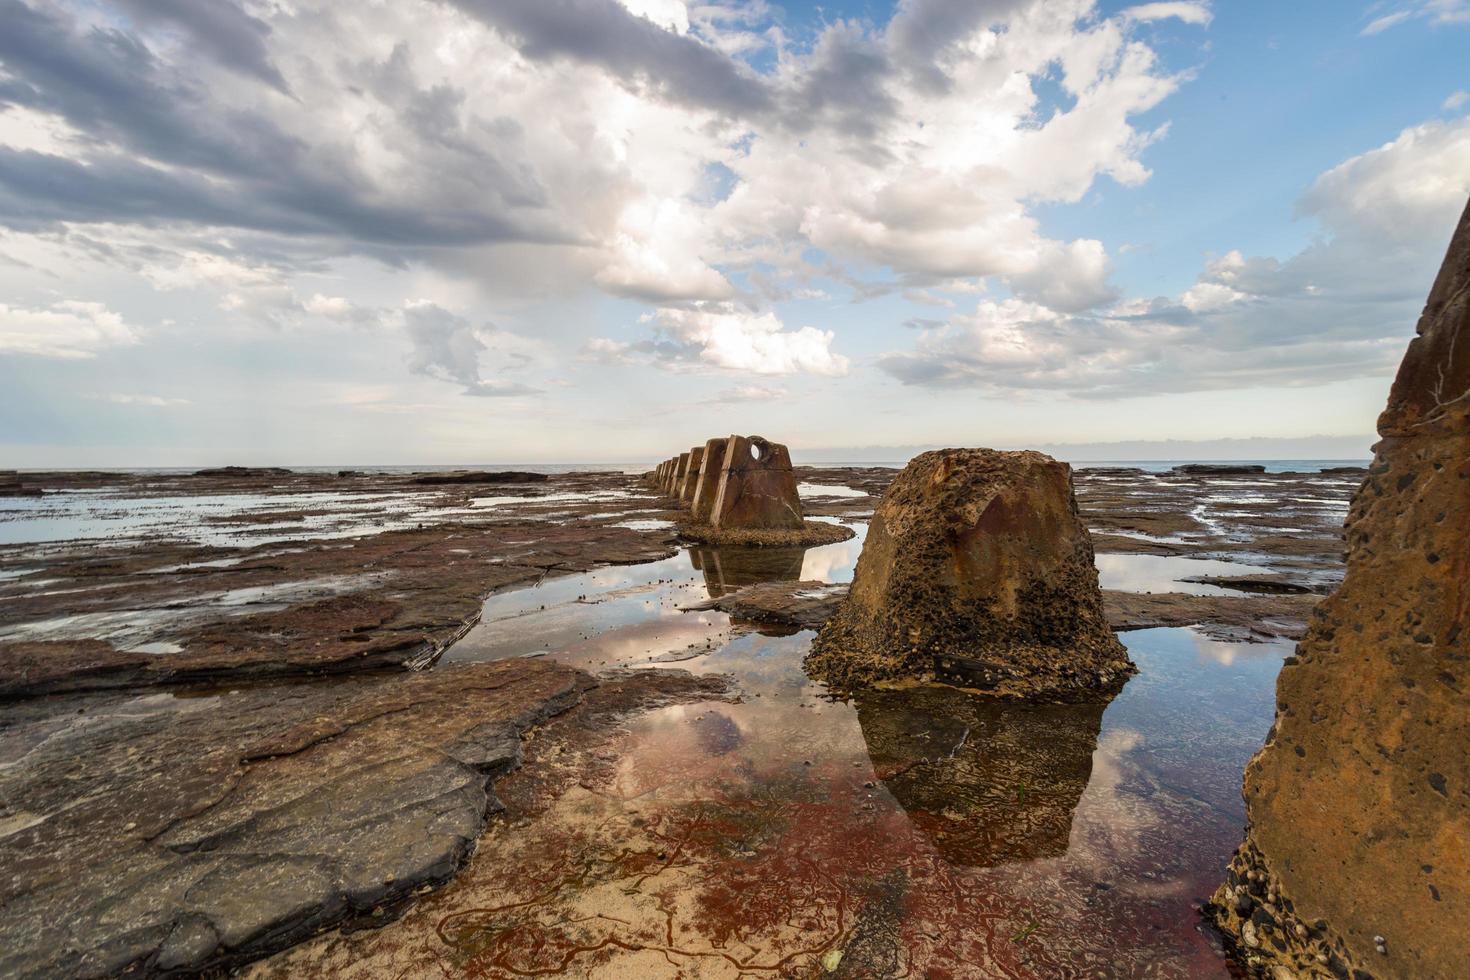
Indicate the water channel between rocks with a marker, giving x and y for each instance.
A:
(906, 833)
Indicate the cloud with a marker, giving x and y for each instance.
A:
(148, 401)
(70, 329)
(1437, 12)
(1188, 11)
(720, 337)
(165, 143)
(640, 53)
(448, 347)
(747, 393)
(1342, 307)
(1456, 100)
(230, 35)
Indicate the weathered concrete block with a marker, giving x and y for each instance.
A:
(707, 485)
(757, 487)
(681, 465)
(1358, 806)
(976, 570)
(691, 475)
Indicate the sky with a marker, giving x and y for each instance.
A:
(464, 231)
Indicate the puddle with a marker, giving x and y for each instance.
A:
(1163, 573)
(631, 613)
(828, 490)
(908, 833)
(138, 629)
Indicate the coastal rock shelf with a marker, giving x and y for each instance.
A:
(230, 823)
(190, 654)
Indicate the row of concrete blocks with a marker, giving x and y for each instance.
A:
(743, 482)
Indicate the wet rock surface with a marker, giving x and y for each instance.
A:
(808, 605)
(1359, 804)
(191, 830)
(276, 573)
(401, 580)
(976, 568)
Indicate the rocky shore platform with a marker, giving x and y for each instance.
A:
(234, 717)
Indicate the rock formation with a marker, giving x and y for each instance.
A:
(712, 464)
(681, 466)
(691, 476)
(1357, 851)
(976, 570)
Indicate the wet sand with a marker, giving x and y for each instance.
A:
(751, 826)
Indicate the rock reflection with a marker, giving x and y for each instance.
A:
(989, 782)
(728, 569)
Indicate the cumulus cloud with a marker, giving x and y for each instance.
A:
(916, 147)
(69, 329)
(720, 337)
(689, 157)
(1186, 10)
(1342, 307)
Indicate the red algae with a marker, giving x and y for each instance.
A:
(781, 835)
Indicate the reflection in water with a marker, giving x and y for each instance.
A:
(627, 614)
(1166, 573)
(728, 569)
(989, 782)
(786, 834)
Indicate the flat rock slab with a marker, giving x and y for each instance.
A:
(807, 605)
(190, 831)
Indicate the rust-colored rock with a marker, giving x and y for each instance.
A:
(757, 487)
(1357, 850)
(690, 480)
(707, 487)
(976, 570)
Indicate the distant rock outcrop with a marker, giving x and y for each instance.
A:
(11, 485)
(1219, 469)
(1357, 850)
(976, 570)
(249, 472)
(479, 476)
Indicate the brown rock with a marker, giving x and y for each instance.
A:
(757, 487)
(976, 569)
(691, 475)
(681, 465)
(707, 488)
(1358, 806)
